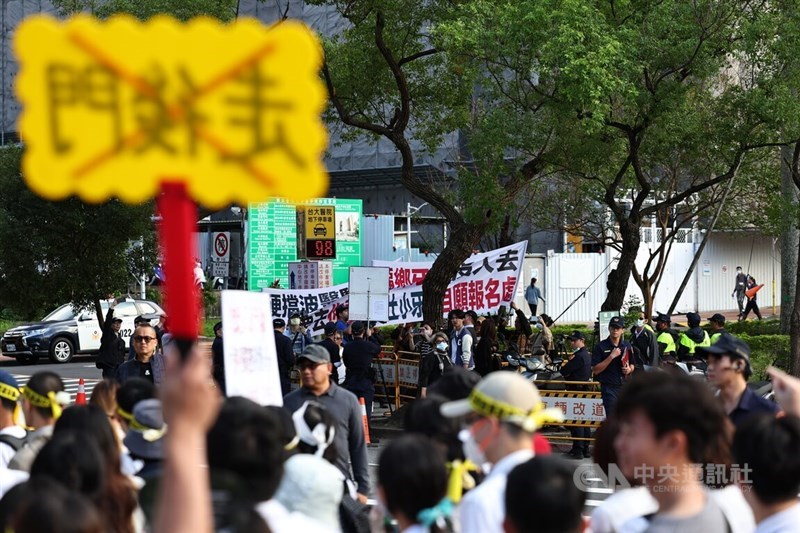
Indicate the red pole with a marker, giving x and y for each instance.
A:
(178, 223)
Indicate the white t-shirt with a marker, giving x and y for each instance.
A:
(787, 521)
(6, 451)
(483, 508)
(281, 520)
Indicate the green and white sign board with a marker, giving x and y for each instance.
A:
(272, 240)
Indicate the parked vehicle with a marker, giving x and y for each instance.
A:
(66, 331)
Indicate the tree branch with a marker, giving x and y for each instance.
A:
(399, 77)
(344, 115)
(418, 55)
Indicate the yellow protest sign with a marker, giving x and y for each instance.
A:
(114, 108)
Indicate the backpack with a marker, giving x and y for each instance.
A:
(14, 442)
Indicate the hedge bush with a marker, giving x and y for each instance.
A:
(754, 327)
(767, 350)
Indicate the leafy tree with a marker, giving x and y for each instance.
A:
(653, 102)
(67, 251)
(144, 9)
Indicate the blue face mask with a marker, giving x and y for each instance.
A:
(442, 346)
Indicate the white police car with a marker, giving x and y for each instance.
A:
(65, 331)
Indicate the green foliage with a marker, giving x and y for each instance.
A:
(224, 10)
(754, 327)
(67, 251)
(767, 350)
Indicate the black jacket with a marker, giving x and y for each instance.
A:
(483, 356)
(333, 350)
(579, 367)
(112, 347)
(283, 346)
(218, 362)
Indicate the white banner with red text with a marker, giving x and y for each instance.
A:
(482, 283)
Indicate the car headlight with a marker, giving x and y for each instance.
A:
(34, 332)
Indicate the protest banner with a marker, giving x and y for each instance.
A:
(483, 283)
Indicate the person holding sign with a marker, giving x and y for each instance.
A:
(316, 385)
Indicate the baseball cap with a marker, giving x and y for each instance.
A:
(278, 323)
(9, 388)
(146, 430)
(661, 317)
(729, 345)
(616, 322)
(139, 319)
(576, 335)
(716, 317)
(116, 319)
(315, 354)
(330, 328)
(693, 318)
(357, 327)
(508, 397)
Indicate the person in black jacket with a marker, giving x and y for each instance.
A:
(434, 365)
(218, 358)
(487, 346)
(522, 328)
(578, 368)
(330, 344)
(358, 355)
(112, 346)
(283, 346)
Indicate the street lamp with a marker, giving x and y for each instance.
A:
(410, 209)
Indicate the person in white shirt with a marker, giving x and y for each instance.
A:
(503, 411)
(12, 435)
(766, 451)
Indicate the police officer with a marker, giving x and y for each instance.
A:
(611, 363)
(717, 323)
(693, 338)
(578, 368)
(665, 338)
(358, 356)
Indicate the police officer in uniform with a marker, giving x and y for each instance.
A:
(717, 323)
(665, 338)
(612, 362)
(693, 338)
(578, 368)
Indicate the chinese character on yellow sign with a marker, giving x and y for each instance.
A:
(114, 108)
(320, 222)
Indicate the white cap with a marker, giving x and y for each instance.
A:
(313, 487)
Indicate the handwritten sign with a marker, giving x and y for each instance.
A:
(251, 360)
(113, 108)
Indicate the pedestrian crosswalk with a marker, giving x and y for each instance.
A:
(70, 384)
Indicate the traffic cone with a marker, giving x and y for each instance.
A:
(80, 396)
(364, 419)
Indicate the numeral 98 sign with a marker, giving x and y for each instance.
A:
(321, 248)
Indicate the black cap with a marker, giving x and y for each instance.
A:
(330, 328)
(139, 319)
(693, 319)
(116, 319)
(731, 346)
(616, 322)
(278, 323)
(577, 336)
(315, 353)
(217, 327)
(357, 327)
(661, 317)
(718, 318)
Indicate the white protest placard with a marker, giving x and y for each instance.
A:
(369, 293)
(251, 360)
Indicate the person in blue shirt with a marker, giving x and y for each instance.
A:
(612, 362)
(728, 370)
(532, 296)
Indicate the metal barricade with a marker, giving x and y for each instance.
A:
(408, 368)
(581, 408)
(397, 376)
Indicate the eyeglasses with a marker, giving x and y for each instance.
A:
(143, 338)
(309, 365)
(337, 338)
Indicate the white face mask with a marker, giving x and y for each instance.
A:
(472, 451)
(538, 325)
(442, 346)
(640, 323)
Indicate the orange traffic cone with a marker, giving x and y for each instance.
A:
(364, 419)
(80, 396)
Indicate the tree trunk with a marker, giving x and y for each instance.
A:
(618, 278)
(794, 330)
(460, 246)
(790, 237)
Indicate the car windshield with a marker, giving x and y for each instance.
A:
(65, 312)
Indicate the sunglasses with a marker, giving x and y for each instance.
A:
(143, 338)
